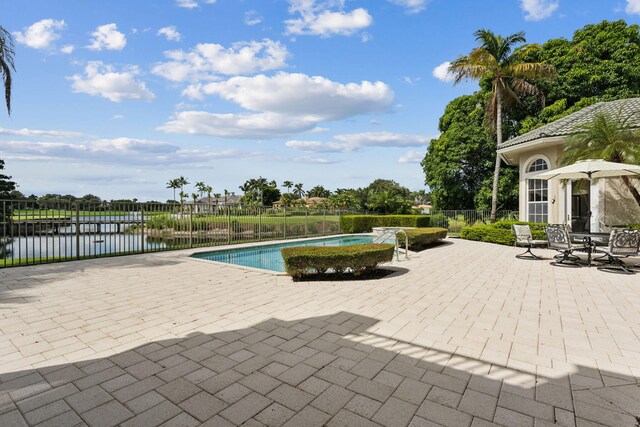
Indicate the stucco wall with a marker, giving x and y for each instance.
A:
(620, 208)
(556, 192)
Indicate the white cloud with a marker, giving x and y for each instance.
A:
(411, 6)
(251, 18)
(107, 37)
(633, 7)
(170, 32)
(207, 60)
(41, 133)
(191, 4)
(103, 80)
(117, 117)
(241, 126)
(316, 98)
(325, 18)
(41, 34)
(345, 143)
(67, 49)
(537, 10)
(441, 72)
(121, 150)
(412, 157)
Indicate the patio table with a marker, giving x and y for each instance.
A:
(590, 241)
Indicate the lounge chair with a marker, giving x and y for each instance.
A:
(558, 238)
(525, 238)
(623, 243)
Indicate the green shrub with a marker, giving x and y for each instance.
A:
(303, 260)
(420, 238)
(366, 223)
(501, 232)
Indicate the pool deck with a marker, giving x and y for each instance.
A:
(463, 334)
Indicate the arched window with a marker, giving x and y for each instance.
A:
(537, 193)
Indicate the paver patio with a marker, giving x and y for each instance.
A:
(463, 335)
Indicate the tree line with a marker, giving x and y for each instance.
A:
(382, 195)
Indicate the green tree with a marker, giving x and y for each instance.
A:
(6, 185)
(288, 185)
(387, 202)
(7, 66)
(174, 185)
(345, 199)
(318, 191)
(298, 191)
(286, 200)
(495, 60)
(182, 181)
(201, 187)
(607, 137)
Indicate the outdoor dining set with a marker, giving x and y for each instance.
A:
(613, 251)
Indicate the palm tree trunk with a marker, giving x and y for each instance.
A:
(632, 188)
(496, 171)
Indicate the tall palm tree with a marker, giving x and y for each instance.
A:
(508, 73)
(174, 184)
(298, 191)
(183, 196)
(200, 186)
(217, 197)
(607, 137)
(288, 185)
(208, 189)
(182, 181)
(7, 66)
(226, 193)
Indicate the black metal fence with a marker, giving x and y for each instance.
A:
(36, 234)
(455, 220)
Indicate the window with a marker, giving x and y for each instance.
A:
(537, 194)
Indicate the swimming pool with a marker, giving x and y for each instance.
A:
(268, 257)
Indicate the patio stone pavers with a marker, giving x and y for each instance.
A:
(464, 334)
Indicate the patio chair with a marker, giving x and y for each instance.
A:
(558, 238)
(525, 238)
(623, 243)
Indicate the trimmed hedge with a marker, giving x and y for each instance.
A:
(420, 238)
(500, 232)
(304, 260)
(365, 223)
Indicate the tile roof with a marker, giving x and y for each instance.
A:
(628, 108)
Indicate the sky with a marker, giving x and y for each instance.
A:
(115, 98)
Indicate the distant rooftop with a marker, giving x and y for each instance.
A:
(628, 108)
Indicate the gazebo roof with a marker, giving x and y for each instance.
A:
(628, 109)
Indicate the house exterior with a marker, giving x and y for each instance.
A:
(597, 207)
(206, 205)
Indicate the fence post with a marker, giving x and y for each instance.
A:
(229, 224)
(306, 222)
(285, 221)
(77, 231)
(141, 228)
(259, 224)
(324, 221)
(191, 226)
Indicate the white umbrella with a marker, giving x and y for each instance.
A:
(590, 169)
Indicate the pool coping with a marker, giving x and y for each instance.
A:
(192, 252)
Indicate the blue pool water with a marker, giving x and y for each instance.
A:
(268, 257)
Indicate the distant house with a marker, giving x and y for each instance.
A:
(204, 204)
(424, 209)
(608, 200)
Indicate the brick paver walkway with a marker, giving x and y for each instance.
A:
(463, 335)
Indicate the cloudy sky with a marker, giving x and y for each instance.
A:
(117, 97)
